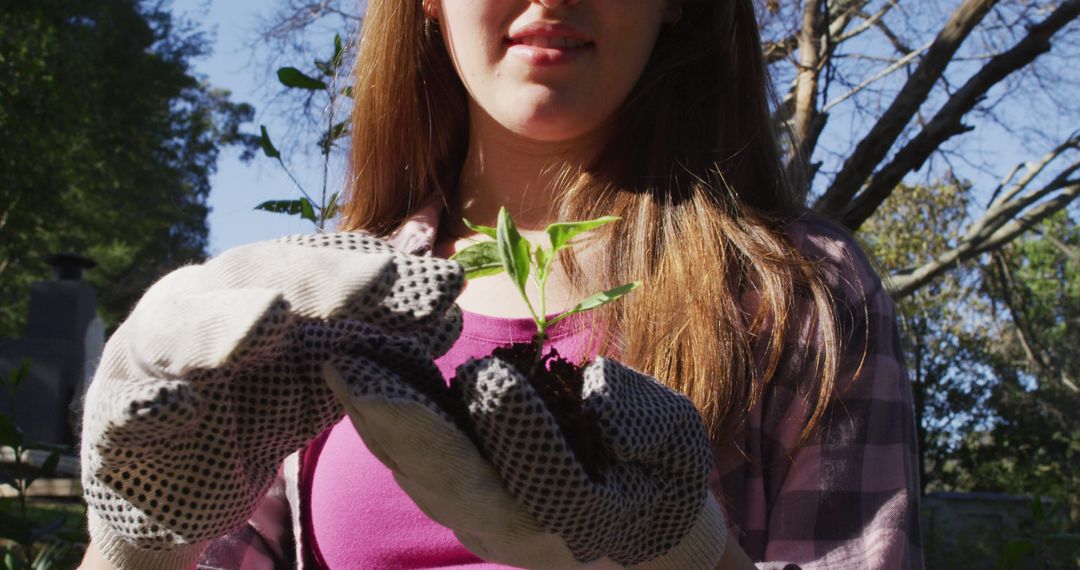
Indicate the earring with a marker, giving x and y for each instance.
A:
(431, 11)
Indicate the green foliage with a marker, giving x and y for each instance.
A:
(599, 300)
(26, 540)
(292, 77)
(560, 234)
(107, 145)
(302, 207)
(321, 211)
(266, 145)
(482, 260)
(991, 350)
(515, 253)
(519, 259)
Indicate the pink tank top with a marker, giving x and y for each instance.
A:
(356, 517)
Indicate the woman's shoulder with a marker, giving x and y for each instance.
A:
(839, 257)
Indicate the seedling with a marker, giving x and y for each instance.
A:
(556, 381)
(522, 260)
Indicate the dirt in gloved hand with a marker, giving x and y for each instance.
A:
(558, 382)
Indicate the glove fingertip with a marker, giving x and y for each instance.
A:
(206, 330)
(146, 417)
(365, 292)
(423, 293)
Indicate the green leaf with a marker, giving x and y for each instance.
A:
(267, 146)
(543, 257)
(514, 251)
(1013, 552)
(347, 91)
(302, 207)
(332, 135)
(324, 67)
(10, 434)
(486, 230)
(599, 300)
(48, 467)
(331, 208)
(292, 77)
(479, 260)
(561, 233)
(15, 562)
(339, 50)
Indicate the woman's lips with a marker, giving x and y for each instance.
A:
(548, 50)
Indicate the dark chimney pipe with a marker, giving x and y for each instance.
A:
(69, 266)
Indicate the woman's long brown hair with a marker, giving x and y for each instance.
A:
(692, 168)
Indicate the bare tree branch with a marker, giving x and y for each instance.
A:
(998, 226)
(869, 21)
(806, 87)
(840, 12)
(1001, 222)
(899, 64)
(948, 120)
(1034, 169)
(1008, 231)
(816, 48)
(297, 15)
(779, 50)
(894, 39)
(875, 145)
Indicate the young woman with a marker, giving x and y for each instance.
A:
(768, 319)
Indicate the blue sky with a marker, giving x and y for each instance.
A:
(238, 187)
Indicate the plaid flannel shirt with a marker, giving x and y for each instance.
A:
(846, 498)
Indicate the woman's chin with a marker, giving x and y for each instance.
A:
(551, 129)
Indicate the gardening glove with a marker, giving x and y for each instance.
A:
(216, 377)
(533, 505)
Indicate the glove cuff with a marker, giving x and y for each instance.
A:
(122, 554)
(702, 547)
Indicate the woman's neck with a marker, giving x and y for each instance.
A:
(503, 169)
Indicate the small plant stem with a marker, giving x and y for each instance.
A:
(327, 148)
(538, 341)
(299, 186)
(541, 323)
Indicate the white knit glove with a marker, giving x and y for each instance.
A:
(533, 505)
(216, 377)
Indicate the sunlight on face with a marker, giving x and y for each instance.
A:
(550, 70)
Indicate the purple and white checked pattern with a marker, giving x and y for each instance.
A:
(847, 498)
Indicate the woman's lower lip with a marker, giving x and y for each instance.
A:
(543, 57)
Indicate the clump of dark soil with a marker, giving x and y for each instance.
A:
(558, 382)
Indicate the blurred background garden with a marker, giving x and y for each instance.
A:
(140, 135)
